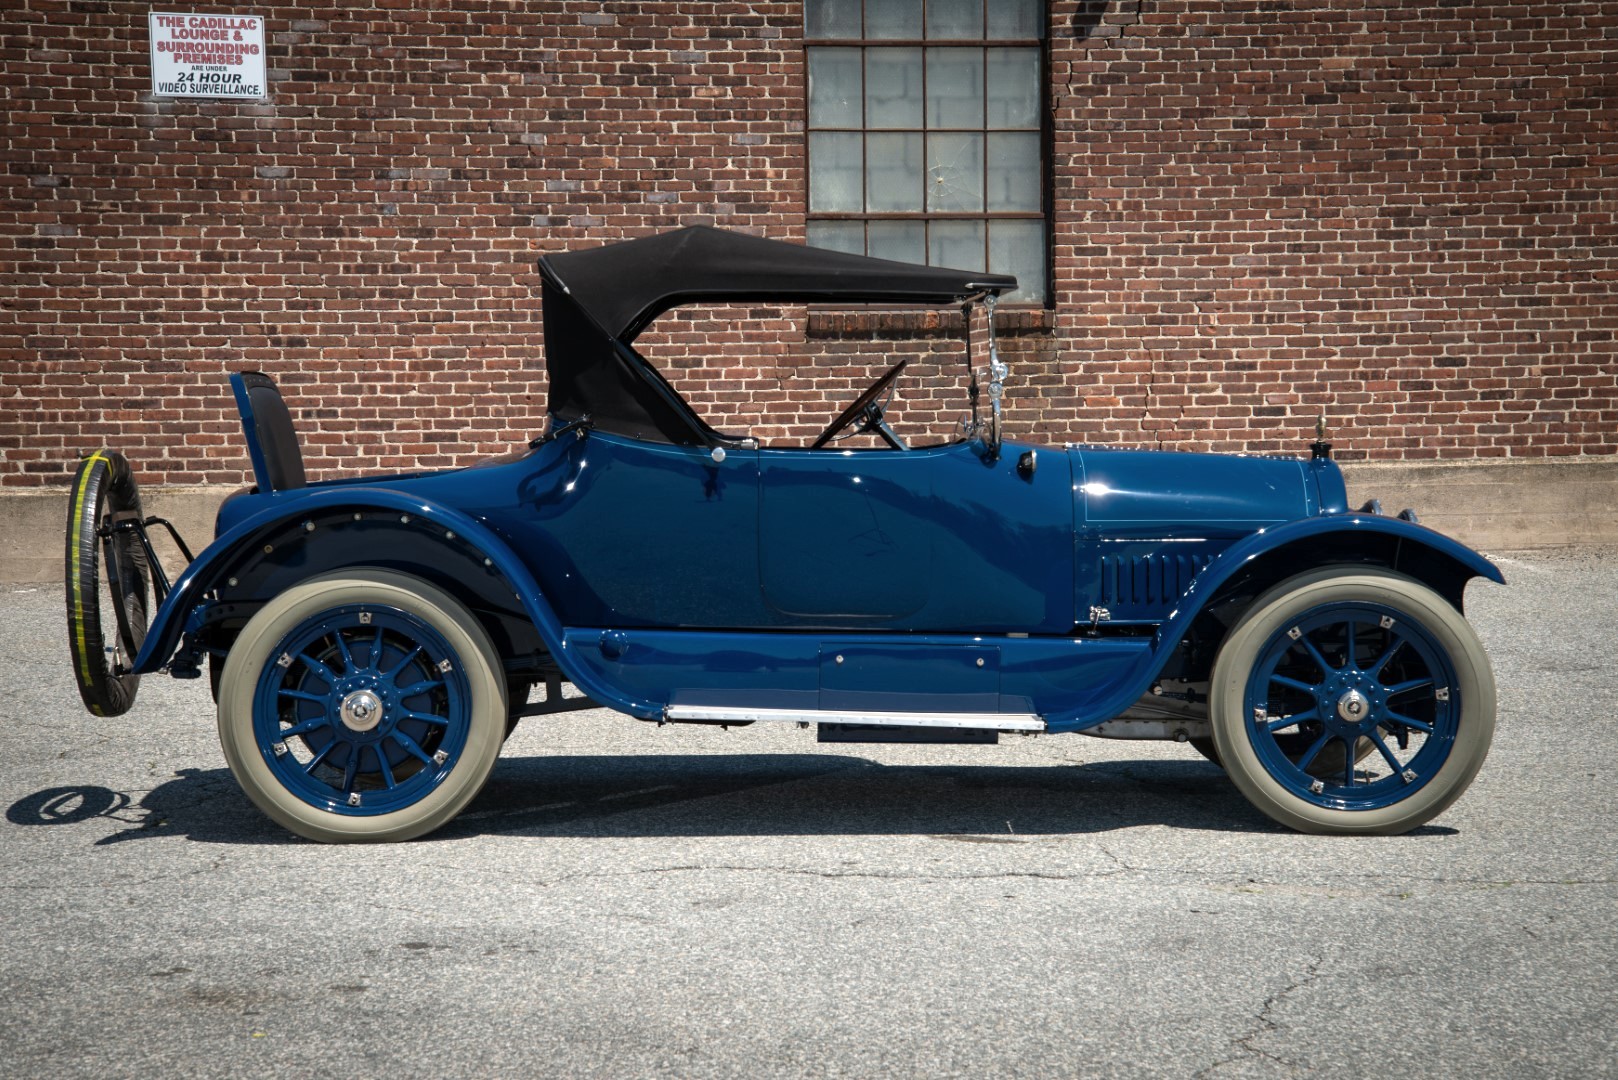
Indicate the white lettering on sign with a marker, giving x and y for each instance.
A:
(215, 56)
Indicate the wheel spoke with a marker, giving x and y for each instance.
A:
(401, 665)
(309, 769)
(387, 770)
(319, 669)
(1407, 686)
(1314, 654)
(1350, 746)
(1287, 721)
(1350, 658)
(419, 688)
(352, 768)
(304, 695)
(376, 651)
(1387, 755)
(1400, 718)
(430, 718)
(342, 647)
(1310, 754)
(411, 746)
(1307, 688)
(314, 723)
(1382, 661)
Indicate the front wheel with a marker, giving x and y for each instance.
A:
(1337, 660)
(364, 705)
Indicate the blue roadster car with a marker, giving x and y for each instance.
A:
(371, 642)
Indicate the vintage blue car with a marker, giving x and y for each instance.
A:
(372, 641)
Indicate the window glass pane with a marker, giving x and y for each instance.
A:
(834, 171)
(1013, 88)
(954, 18)
(1018, 247)
(893, 176)
(954, 172)
(893, 18)
(892, 88)
(902, 241)
(831, 18)
(955, 244)
(838, 236)
(955, 88)
(1014, 171)
(1017, 19)
(834, 88)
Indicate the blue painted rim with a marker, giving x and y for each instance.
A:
(407, 716)
(1345, 671)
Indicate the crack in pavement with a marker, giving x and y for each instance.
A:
(1263, 1025)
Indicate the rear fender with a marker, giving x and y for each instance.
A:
(295, 539)
(1270, 555)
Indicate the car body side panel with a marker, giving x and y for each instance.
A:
(939, 539)
(405, 509)
(1151, 521)
(878, 672)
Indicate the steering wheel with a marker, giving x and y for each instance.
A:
(865, 406)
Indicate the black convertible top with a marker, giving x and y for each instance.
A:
(597, 300)
(624, 286)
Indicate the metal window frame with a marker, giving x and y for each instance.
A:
(1044, 130)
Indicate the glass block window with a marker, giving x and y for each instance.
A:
(926, 133)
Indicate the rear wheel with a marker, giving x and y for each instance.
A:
(108, 582)
(362, 706)
(1328, 661)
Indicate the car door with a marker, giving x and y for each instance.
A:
(628, 532)
(942, 538)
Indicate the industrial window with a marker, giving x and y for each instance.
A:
(927, 134)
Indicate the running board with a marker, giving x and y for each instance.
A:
(734, 714)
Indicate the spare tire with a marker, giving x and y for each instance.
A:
(108, 583)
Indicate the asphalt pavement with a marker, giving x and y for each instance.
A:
(626, 900)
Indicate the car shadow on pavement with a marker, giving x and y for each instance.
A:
(725, 795)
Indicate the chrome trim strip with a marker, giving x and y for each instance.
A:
(737, 714)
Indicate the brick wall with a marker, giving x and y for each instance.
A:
(1402, 214)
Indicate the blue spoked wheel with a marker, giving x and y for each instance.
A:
(1352, 701)
(362, 706)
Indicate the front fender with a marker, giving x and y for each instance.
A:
(214, 563)
(1279, 552)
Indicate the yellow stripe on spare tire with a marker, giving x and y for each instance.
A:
(78, 583)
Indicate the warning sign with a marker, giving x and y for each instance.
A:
(216, 56)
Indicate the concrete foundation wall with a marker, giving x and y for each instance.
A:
(1495, 507)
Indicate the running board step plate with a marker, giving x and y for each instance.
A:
(735, 714)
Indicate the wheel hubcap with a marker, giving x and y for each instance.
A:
(361, 711)
(1353, 706)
